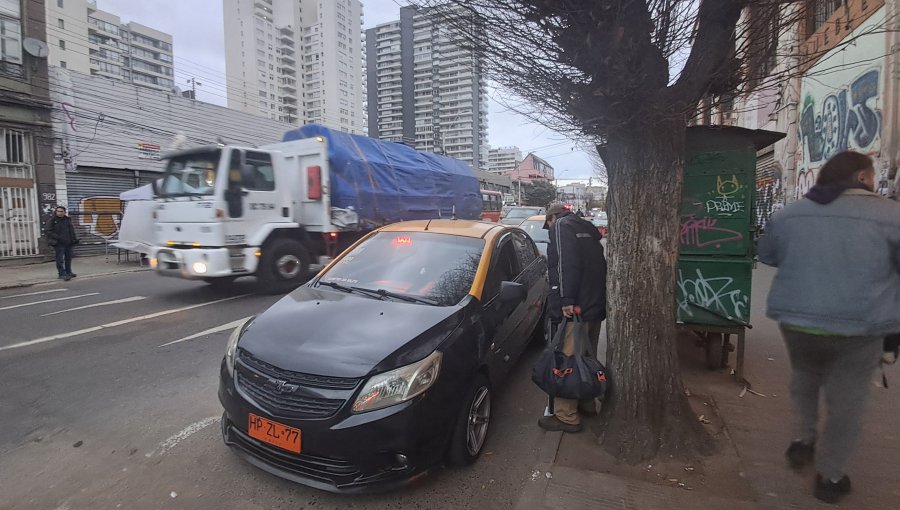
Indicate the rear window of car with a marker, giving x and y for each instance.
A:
(439, 267)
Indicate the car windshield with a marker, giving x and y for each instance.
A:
(535, 229)
(600, 222)
(523, 212)
(435, 267)
(190, 174)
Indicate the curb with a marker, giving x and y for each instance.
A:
(30, 283)
(546, 456)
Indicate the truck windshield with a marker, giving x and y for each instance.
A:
(190, 174)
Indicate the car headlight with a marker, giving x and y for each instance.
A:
(231, 349)
(398, 385)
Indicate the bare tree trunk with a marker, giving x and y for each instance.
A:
(646, 413)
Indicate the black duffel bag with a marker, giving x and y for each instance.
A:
(576, 377)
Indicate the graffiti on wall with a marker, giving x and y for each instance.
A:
(101, 215)
(845, 118)
(719, 294)
(769, 198)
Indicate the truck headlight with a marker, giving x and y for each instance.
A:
(231, 348)
(398, 385)
(199, 267)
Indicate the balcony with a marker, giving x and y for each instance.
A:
(288, 60)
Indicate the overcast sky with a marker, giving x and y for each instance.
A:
(199, 44)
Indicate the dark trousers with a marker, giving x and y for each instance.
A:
(63, 259)
(841, 369)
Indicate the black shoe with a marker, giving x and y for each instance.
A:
(800, 454)
(72, 275)
(553, 424)
(61, 277)
(66, 277)
(831, 492)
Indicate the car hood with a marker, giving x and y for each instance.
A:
(331, 333)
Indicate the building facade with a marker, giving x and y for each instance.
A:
(109, 136)
(27, 185)
(296, 61)
(88, 40)
(839, 92)
(531, 169)
(503, 160)
(424, 88)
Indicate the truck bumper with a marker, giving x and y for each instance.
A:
(202, 263)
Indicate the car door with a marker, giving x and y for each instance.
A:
(534, 277)
(501, 317)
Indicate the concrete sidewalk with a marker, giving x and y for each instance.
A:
(753, 429)
(85, 267)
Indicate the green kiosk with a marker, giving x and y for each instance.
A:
(717, 237)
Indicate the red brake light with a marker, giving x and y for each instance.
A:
(402, 241)
(332, 235)
(314, 182)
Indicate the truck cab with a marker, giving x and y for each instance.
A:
(227, 211)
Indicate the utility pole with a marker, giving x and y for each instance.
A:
(194, 84)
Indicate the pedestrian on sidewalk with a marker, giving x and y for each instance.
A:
(61, 236)
(836, 295)
(577, 271)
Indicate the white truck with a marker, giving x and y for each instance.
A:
(227, 211)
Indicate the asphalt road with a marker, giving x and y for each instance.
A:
(96, 412)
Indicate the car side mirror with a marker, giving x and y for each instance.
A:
(512, 293)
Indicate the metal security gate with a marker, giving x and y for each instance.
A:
(19, 218)
(19, 222)
(95, 207)
(768, 190)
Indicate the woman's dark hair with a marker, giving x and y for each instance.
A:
(840, 168)
(59, 207)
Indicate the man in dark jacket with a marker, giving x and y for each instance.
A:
(577, 270)
(61, 236)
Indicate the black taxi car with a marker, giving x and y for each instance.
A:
(382, 365)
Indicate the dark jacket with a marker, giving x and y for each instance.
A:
(577, 268)
(60, 231)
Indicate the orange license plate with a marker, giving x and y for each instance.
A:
(274, 433)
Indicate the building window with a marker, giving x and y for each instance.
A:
(62, 63)
(819, 12)
(62, 44)
(62, 23)
(10, 37)
(15, 147)
(59, 3)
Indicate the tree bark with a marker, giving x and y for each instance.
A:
(646, 412)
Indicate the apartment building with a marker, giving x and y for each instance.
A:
(297, 61)
(503, 160)
(86, 39)
(424, 88)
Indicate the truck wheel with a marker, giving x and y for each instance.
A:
(284, 265)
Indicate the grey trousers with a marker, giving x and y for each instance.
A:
(841, 368)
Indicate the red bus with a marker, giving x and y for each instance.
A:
(491, 203)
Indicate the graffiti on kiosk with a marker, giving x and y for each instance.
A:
(724, 202)
(846, 118)
(718, 294)
(102, 215)
(703, 232)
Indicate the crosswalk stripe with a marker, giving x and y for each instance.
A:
(48, 301)
(105, 303)
(114, 324)
(217, 329)
(33, 293)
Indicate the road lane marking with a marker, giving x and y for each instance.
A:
(185, 433)
(217, 329)
(48, 301)
(105, 303)
(113, 324)
(34, 293)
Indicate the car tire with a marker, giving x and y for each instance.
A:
(472, 424)
(283, 266)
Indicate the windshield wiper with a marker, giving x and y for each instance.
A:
(405, 297)
(351, 289)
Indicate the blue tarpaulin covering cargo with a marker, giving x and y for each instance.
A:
(385, 182)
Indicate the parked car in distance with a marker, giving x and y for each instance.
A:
(516, 215)
(534, 227)
(602, 224)
(384, 364)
